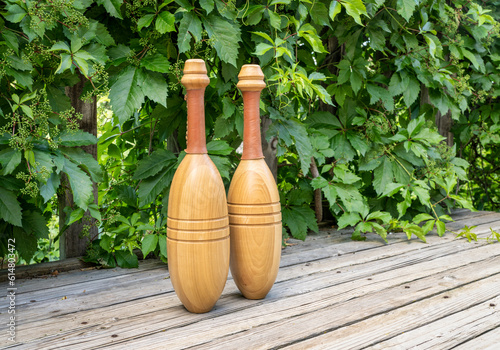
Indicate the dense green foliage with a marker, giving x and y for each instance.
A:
(353, 85)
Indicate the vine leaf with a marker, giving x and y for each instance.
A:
(112, 6)
(351, 198)
(319, 182)
(57, 98)
(266, 36)
(126, 259)
(127, 194)
(106, 242)
(185, 4)
(26, 244)
(219, 147)
(149, 243)
(381, 231)
(22, 78)
(43, 159)
(19, 63)
(77, 138)
(190, 24)
(414, 230)
(226, 36)
(155, 87)
(405, 204)
(298, 219)
(218, 151)
(60, 45)
(94, 211)
(74, 216)
(441, 228)
(398, 84)
(355, 8)
(97, 53)
(119, 54)
(35, 222)
(348, 219)
(50, 187)
(335, 8)
(207, 5)
(309, 216)
(162, 240)
(411, 93)
(223, 165)
(15, 13)
(165, 22)
(358, 143)
(153, 164)
(156, 63)
(383, 176)
(344, 175)
(274, 19)
(125, 94)
(383, 216)
(11, 40)
(379, 93)
(102, 34)
(145, 21)
(10, 159)
(289, 128)
(262, 48)
(10, 210)
(80, 184)
(152, 187)
(86, 161)
(421, 217)
(423, 195)
(471, 57)
(406, 8)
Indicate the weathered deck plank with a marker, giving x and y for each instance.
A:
(460, 301)
(449, 331)
(486, 341)
(342, 287)
(367, 262)
(332, 313)
(326, 245)
(331, 292)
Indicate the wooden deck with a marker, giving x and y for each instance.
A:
(331, 293)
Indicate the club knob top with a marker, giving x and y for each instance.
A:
(195, 75)
(251, 78)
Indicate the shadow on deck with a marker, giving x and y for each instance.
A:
(331, 293)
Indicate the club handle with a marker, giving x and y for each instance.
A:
(251, 82)
(195, 80)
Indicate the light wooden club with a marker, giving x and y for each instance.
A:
(197, 224)
(253, 201)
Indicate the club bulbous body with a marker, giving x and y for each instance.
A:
(255, 224)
